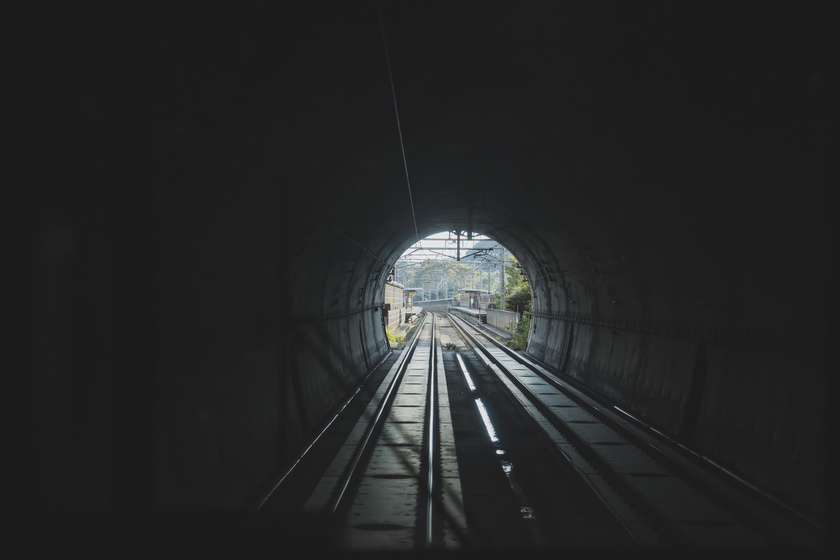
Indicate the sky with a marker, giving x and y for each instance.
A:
(441, 245)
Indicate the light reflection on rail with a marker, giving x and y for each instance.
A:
(527, 512)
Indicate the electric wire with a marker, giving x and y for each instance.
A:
(397, 113)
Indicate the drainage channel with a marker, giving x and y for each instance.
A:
(525, 509)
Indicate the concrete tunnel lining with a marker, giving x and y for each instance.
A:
(588, 247)
(199, 282)
(637, 351)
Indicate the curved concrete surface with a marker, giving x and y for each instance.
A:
(218, 197)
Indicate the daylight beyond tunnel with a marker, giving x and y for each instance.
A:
(219, 198)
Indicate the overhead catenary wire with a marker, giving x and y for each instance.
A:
(397, 113)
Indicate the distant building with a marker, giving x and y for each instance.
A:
(393, 308)
(475, 299)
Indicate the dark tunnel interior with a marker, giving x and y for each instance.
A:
(216, 195)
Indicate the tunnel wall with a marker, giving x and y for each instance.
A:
(750, 409)
(176, 360)
(718, 357)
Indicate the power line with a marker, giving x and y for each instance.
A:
(397, 113)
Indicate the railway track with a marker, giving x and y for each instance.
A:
(478, 446)
(658, 495)
(394, 485)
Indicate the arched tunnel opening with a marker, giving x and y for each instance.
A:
(208, 241)
(462, 269)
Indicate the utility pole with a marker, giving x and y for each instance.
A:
(502, 276)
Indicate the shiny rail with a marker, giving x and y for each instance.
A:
(374, 427)
(386, 488)
(430, 535)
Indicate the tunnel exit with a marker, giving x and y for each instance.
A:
(467, 272)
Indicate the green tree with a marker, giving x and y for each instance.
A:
(443, 278)
(518, 296)
(519, 337)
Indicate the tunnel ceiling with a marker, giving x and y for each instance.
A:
(659, 140)
(672, 154)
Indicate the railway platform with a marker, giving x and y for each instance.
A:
(478, 317)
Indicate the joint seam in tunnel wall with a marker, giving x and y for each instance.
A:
(736, 337)
(339, 314)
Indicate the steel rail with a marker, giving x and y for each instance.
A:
(323, 430)
(519, 495)
(374, 426)
(431, 443)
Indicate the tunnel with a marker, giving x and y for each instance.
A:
(216, 196)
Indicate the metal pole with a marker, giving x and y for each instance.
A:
(502, 274)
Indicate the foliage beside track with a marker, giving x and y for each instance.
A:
(394, 338)
(519, 338)
(518, 299)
